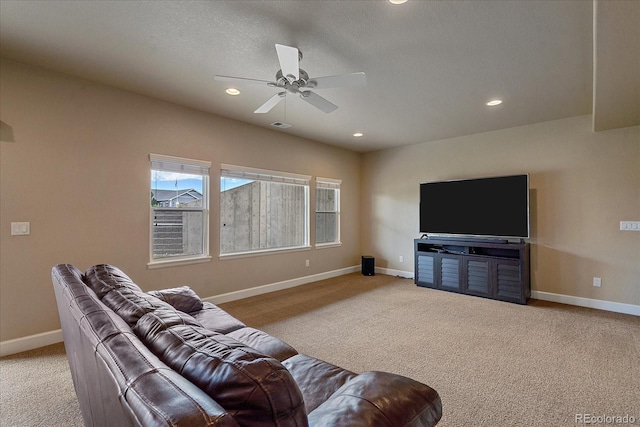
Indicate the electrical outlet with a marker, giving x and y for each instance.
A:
(597, 282)
(401, 258)
(306, 263)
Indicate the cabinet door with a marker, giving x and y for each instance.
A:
(509, 280)
(477, 276)
(450, 269)
(426, 270)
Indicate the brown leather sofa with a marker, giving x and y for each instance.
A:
(165, 358)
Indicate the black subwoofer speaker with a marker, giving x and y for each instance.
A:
(368, 266)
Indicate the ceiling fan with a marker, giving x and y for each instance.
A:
(294, 80)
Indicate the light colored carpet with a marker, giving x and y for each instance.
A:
(493, 363)
(36, 389)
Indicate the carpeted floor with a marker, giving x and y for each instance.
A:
(36, 389)
(493, 363)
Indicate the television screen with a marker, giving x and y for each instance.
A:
(492, 207)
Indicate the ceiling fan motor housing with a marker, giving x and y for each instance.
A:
(301, 82)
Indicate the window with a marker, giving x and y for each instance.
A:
(179, 210)
(327, 211)
(262, 210)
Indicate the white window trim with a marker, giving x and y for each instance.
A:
(333, 184)
(182, 165)
(328, 183)
(243, 172)
(260, 252)
(178, 261)
(255, 174)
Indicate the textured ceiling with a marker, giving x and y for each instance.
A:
(430, 65)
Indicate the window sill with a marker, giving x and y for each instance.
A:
(263, 252)
(177, 262)
(328, 245)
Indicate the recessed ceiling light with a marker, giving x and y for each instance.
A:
(398, 1)
(494, 102)
(358, 134)
(232, 91)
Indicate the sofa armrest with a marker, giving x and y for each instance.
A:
(379, 399)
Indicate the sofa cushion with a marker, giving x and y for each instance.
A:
(379, 399)
(161, 320)
(216, 319)
(118, 292)
(254, 388)
(317, 379)
(182, 298)
(103, 278)
(131, 305)
(264, 343)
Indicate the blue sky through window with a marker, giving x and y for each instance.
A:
(161, 180)
(229, 183)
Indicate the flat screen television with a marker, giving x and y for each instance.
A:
(495, 207)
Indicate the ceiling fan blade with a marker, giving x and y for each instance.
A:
(354, 79)
(289, 62)
(271, 102)
(241, 80)
(318, 101)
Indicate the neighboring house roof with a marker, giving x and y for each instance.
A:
(172, 197)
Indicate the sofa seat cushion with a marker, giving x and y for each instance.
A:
(254, 388)
(317, 379)
(379, 399)
(182, 298)
(216, 319)
(264, 343)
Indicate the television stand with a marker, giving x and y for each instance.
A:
(497, 270)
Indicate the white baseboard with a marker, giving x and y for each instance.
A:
(47, 338)
(397, 273)
(30, 342)
(52, 337)
(617, 307)
(259, 290)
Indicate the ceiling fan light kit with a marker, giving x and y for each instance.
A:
(291, 79)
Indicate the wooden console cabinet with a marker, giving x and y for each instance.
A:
(492, 270)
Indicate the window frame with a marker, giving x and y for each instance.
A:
(255, 174)
(334, 184)
(165, 163)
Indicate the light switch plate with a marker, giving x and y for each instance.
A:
(630, 225)
(20, 228)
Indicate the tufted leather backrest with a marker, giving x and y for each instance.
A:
(118, 381)
(103, 278)
(118, 292)
(256, 389)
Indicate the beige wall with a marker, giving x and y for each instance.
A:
(582, 185)
(78, 170)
